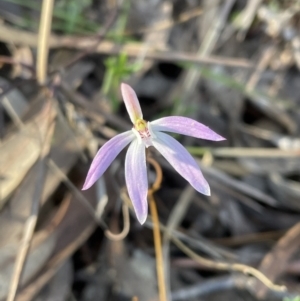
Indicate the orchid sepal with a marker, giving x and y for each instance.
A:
(106, 154)
(131, 102)
(185, 126)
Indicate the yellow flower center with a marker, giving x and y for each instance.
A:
(140, 125)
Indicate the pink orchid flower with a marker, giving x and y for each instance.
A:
(145, 134)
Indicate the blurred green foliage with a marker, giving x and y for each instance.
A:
(73, 11)
(69, 17)
(117, 69)
(291, 299)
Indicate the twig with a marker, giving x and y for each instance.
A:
(11, 35)
(250, 238)
(238, 152)
(29, 227)
(156, 231)
(43, 40)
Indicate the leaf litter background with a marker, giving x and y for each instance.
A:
(232, 65)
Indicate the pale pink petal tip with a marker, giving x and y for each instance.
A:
(131, 102)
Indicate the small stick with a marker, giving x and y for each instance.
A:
(43, 40)
(131, 49)
(242, 152)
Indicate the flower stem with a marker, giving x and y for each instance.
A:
(158, 250)
(156, 231)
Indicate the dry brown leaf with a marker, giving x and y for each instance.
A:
(21, 150)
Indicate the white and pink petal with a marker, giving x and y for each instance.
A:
(185, 126)
(182, 161)
(131, 102)
(106, 154)
(136, 179)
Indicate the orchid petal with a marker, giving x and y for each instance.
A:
(136, 179)
(181, 160)
(131, 102)
(106, 154)
(185, 126)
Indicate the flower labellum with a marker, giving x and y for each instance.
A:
(145, 134)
